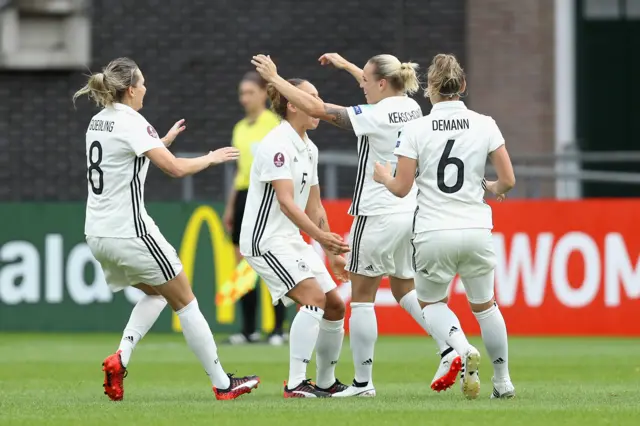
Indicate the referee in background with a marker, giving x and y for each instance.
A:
(247, 133)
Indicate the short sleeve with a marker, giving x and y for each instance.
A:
(496, 140)
(363, 119)
(143, 137)
(273, 164)
(406, 146)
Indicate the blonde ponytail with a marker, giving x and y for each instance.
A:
(409, 76)
(446, 77)
(97, 90)
(403, 77)
(109, 86)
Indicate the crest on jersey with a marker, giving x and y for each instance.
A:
(357, 110)
(278, 159)
(152, 132)
(303, 266)
(398, 144)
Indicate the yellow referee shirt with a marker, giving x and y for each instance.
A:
(245, 137)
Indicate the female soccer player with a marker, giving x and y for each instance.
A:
(246, 134)
(445, 153)
(124, 238)
(283, 186)
(381, 231)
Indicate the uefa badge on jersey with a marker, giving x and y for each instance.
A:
(398, 144)
(357, 110)
(278, 159)
(152, 132)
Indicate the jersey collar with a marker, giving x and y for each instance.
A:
(122, 107)
(300, 144)
(449, 105)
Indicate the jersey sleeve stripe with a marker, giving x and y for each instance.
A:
(261, 220)
(156, 257)
(363, 154)
(357, 237)
(279, 270)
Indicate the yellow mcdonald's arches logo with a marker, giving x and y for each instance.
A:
(224, 262)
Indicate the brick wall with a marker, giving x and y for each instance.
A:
(510, 48)
(192, 53)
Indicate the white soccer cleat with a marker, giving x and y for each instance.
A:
(447, 374)
(503, 389)
(357, 390)
(470, 378)
(276, 340)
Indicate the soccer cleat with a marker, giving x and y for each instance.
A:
(469, 376)
(336, 387)
(306, 389)
(114, 374)
(238, 386)
(242, 339)
(357, 389)
(503, 389)
(447, 374)
(276, 340)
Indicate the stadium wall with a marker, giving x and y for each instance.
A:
(563, 268)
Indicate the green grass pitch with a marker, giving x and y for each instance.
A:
(56, 380)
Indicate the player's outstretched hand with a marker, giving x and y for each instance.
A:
(173, 133)
(333, 59)
(333, 243)
(381, 173)
(265, 67)
(338, 263)
(492, 186)
(223, 155)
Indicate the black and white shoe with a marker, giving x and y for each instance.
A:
(306, 389)
(357, 389)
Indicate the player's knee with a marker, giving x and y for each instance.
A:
(334, 307)
(481, 307)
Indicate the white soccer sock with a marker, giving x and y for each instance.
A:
(303, 336)
(443, 324)
(198, 335)
(328, 351)
(409, 303)
(494, 336)
(142, 318)
(363, 331)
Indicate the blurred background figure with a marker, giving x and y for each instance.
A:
(247, 133)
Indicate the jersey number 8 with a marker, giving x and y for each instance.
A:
(445, 161)
(95, 166)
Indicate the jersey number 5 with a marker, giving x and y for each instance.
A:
(304, 181)
(445, 161)
(94, 166)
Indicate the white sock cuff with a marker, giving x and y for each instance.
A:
(190, 306)
(314, 311)
(486, 314)
(405, 299)
(362, 306)
(332, 326)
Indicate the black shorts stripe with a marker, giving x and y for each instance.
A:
(363, 158)
(357, 237)
(413, 256)
(156, 257)
(261, 219)
(162, 256)
(279, 270)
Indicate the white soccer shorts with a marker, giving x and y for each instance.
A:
(381, 245)
(440, 255)
(141, 260)
(284, 266)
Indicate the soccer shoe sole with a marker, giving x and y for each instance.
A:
(445, 382)
(470, 378)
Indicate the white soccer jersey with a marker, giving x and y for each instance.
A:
(117, 138)
(378, 127)
(282, 154)
(451, 145)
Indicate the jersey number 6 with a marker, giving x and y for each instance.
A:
(95, 166)
(445, 161)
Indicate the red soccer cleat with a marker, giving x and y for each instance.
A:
(238, 386)
(114, 374)
(447, 374)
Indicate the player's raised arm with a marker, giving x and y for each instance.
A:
(341, 63)
(181, 167)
